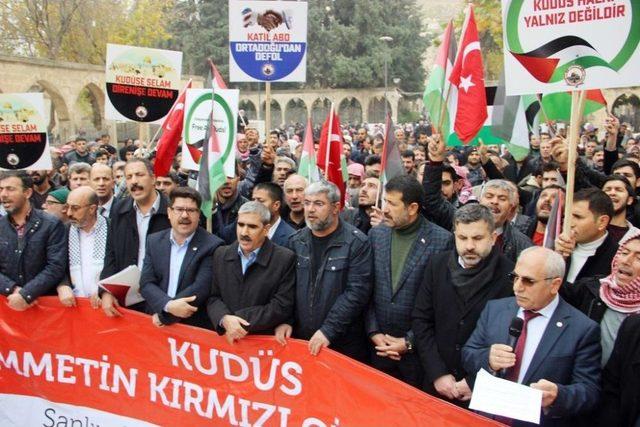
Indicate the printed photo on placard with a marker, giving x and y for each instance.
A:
(141, 83)
(23, 132)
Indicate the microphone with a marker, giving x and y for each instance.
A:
(515, 329)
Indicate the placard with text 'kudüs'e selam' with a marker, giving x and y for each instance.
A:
(267, 41)
(565, 45)
(23, 132)
(141, 83)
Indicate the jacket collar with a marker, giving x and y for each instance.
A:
(126, 205)
(264, 255)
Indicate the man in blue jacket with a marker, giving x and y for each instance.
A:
(333, 282)
(33, 249)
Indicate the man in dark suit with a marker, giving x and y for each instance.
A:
(134, 218)
(177, 268)
(558, 351)
(271, 195)
(455, 288)
(401, 248)
(253, 285)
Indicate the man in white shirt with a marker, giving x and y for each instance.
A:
(102, 182)
(271, 195)
(558, 350)
(87, 242)
(588, 248)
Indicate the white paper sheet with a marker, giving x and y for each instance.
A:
(506, 398)
(124, 285)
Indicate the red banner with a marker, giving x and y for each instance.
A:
(75, 366)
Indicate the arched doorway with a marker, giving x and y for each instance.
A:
(295, 111)
(375, 111)
(249, 109)
(350, 111)
(320, 110)
(89, 106)
(276, 114)
(56, 112)
(627, 108)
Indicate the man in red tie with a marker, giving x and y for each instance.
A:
(558, 350)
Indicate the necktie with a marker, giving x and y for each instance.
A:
(514, 372)
(101, 210)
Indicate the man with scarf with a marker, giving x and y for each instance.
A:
(455, 288)
(402, 246)
(611, 299)
(87, 246)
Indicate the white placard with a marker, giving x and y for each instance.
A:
(557, 46)
(267, 41)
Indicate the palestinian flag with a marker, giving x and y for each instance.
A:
(554, 224)
(308, 164)
(391, 162)
(557, 106)
(211, 176)
(438, 84)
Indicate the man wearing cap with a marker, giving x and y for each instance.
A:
(56, 204)
(356, 173)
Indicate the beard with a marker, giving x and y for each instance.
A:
(320, 224)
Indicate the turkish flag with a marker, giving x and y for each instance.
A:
(331, 143)
(171, 135)
(467, 76)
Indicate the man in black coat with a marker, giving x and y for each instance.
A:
(455, 288)
(134, 218)
(253, 286)
(177, 270)
(33, 247)
(621, 378)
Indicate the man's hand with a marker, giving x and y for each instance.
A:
(268, 155)
(16, 302)
(436, 148)
(181, 308)
(464, 392)
(110, 305)
(376, 217)
(612, 125)
(483, 151)
(560, 152)
(95, 301)
(317, 342)
(501, 356)
(549, 391)
(393, 347)
(234, 327)
(565, 245)
(155, 319)
(446, 386)
(65, 295)
(378, 340)
(282, 333)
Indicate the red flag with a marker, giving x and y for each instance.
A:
(171, 135)
(467, 76)
(330, 150)
(218, 82)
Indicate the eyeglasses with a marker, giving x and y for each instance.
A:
(180, 211)
(52, 202)
(317, 203)
(527, 281)
(74, 208)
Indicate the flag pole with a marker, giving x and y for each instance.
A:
(267, 109)
(329, 135)
(383, 161)
(444, 102)
(546, 117)
(578, 99)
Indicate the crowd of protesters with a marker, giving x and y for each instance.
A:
(420, 279)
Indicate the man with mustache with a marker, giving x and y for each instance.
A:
(402, 246)
(135, 217)
(333, 282)
(623, 197)
(42, 185)
(360, 217)
(543, 211)
(33, 253)
(87, 241)
(253, 285)
(177, 270)
(455, 288)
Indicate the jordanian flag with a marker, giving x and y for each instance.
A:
(211, 176)
(438, 84)
(308, 165)
(557, 106)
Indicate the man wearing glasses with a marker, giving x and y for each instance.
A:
(558, 350)
(333, 277)
(177, 271)
(87, 244)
